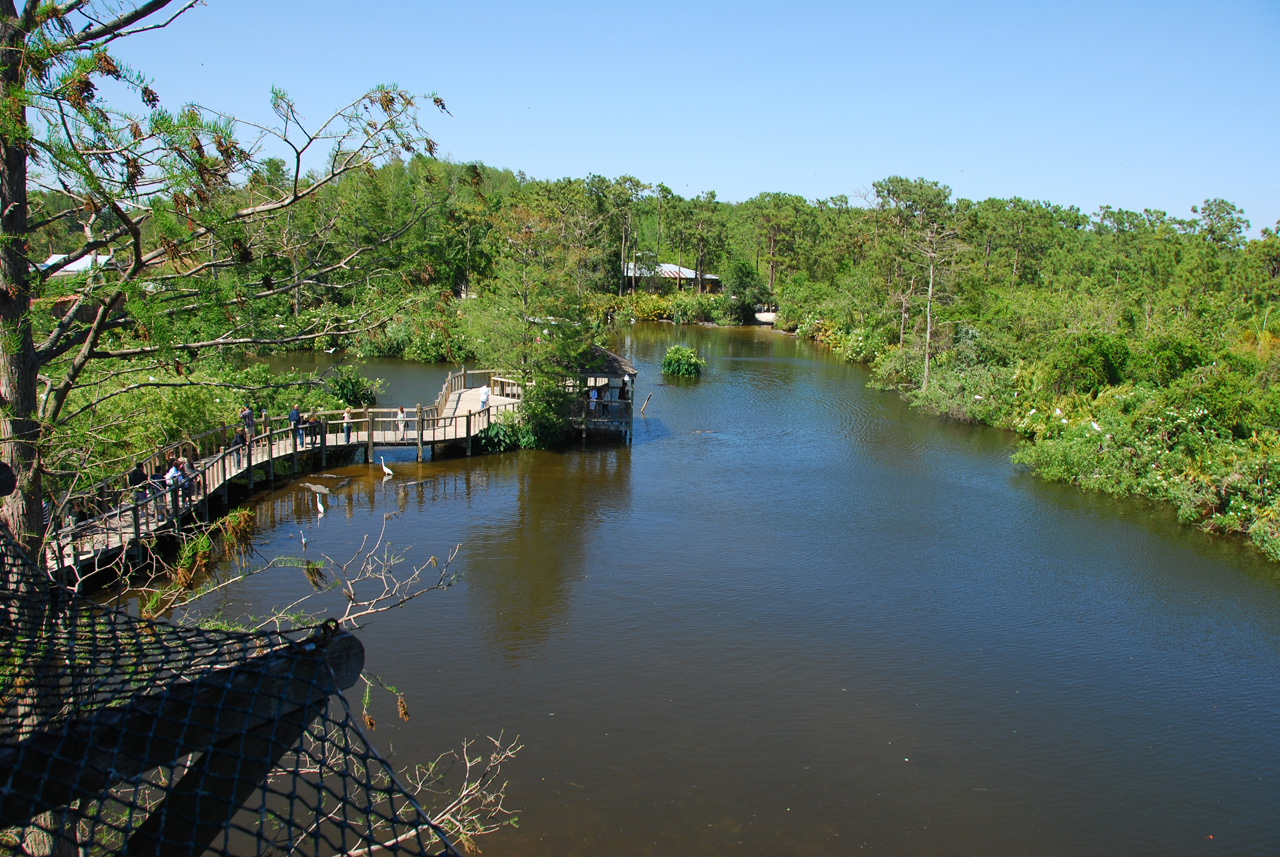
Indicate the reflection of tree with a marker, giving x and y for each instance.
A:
(530, 562)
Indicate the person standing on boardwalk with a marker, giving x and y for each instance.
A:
(188, 472)
(138, 481)
(484, 397)
(238, 442)
(172, 480)
(404, 421)
(295, 419)
(246, 417)
(346, 426)
(313, 429)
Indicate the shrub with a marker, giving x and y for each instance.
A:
(1086, 363)
(682, 361)
(545, 413)
(503, 435)
(352, 388)
(1223, 400)
(1168, 357)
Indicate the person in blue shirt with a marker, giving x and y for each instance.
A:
(295, 419)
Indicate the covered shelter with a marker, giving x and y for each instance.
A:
(608, 392)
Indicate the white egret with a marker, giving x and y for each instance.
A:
(303, 536)
(319, 506)
(385, 469)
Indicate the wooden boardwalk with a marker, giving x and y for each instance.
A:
(125, 519)
(157, 508)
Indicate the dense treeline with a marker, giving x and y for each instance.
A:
(1132, 351)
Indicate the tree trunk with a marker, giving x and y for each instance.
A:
(928, 327)
(19, 429)
(622, 257)
(773, 246)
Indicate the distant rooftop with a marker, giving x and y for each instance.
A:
(666, 269)
(82, 265)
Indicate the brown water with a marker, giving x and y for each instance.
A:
(797, 617)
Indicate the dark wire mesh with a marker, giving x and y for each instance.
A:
(124, 735)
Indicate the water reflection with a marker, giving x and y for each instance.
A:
(530, 560)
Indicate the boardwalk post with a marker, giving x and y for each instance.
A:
(223, 457)
(468, 432)
(204, 495)
(324, 443)
(249, 450)
(294, 431)
(137, 535)
(271, 448)
(419, 423)
(175, 503)
(368, 416)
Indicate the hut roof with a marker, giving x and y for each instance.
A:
(605, 362)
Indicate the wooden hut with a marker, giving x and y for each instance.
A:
(608, 394)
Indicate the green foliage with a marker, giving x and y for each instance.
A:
(682, 361)
(543, 422)
(353, 389)
(545, 413)
(742, 281)
(1085, 363)
(504, 434)
(1170, 356)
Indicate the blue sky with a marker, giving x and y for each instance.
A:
(1130, 104)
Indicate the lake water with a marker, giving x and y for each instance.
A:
(797, 617)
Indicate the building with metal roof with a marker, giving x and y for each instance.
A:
(680, 274)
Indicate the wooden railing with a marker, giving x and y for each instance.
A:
(145, 508)
(119, 515)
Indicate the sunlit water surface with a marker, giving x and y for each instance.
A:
(797, 617)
